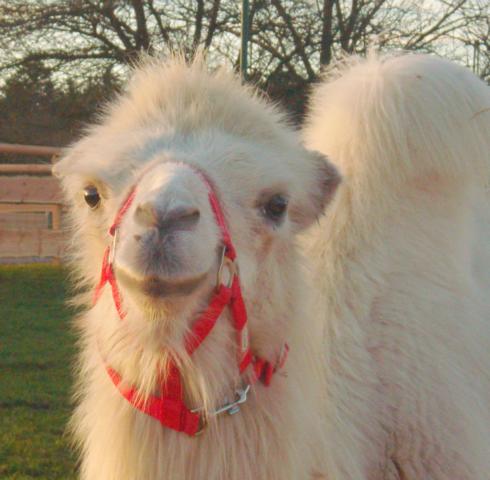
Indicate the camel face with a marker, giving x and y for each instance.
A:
(168, 245)
(168, 242)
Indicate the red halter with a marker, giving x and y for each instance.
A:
(169, 408)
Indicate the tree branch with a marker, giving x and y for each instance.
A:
(198, 23)
(141, 34)
(297, 39)
(212, 24)
(327, 37)
(158, 19)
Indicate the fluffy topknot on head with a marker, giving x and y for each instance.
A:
(387, 120)
(187, 97)
(176, 99)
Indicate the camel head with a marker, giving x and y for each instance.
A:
(175, 128)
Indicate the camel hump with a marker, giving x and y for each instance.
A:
(397, 119)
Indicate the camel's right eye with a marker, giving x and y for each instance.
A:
(275, 208)
(92, 196)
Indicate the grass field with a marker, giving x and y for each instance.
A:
(36, 351)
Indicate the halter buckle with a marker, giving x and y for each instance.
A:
(228, 264)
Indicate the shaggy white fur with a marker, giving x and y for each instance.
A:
(175, 114)
(388, 325)
(402, 269)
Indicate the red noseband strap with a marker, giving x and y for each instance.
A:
(169, 408)
(107, 272)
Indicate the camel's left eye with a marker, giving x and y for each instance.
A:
(92, 196)
(275, 208)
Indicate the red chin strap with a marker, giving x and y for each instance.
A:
(169, 408)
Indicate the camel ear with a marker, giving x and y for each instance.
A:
(323, 178)
(62, 167)
(73, 162)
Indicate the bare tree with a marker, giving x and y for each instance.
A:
(67, 34)
(473, 40)
(300, 35)
(290, 39)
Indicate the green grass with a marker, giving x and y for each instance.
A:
(36, 351)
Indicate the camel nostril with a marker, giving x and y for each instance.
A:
(177, 218)
(180, 218)
(146, 215)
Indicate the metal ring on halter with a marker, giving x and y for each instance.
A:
(232, 270)
(203, 423)
(112, 251)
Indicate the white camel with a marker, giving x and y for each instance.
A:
(195, 241)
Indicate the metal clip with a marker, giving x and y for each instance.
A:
(234, 407)
(230, 407)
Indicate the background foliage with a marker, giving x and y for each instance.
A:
(59, 59)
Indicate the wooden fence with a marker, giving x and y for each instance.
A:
(31, 209)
